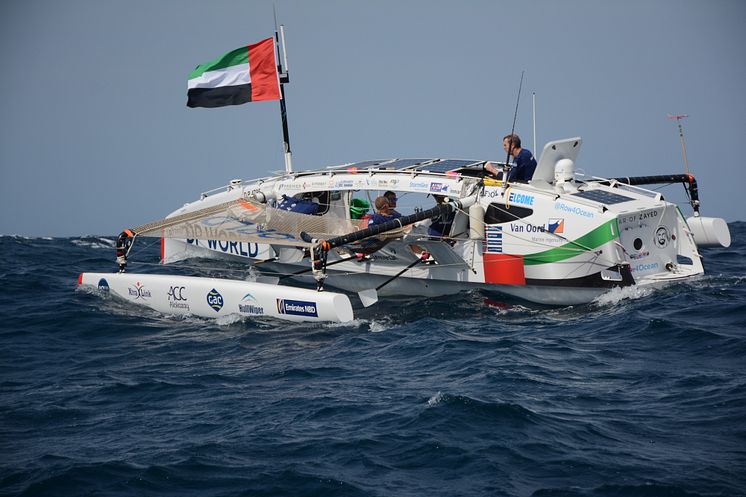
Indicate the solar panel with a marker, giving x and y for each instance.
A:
(603, 197)
(404, 163)
(446, 165)
(368, 163)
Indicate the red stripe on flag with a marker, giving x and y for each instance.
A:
(504, 269)
(263, 71)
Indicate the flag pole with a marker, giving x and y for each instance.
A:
(284, 77)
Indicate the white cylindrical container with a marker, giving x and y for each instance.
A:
(709, 231)
(476, 222)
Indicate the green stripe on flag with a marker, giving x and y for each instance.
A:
(233, 58)
(595, 238)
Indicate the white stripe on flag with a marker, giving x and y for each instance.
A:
(230, 76)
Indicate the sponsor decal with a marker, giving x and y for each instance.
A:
(419, 185)
(319, 183)
(297, 307)
(641, 268)
(527, 228)
(556, 225)
(520, 198)
(103, 285)
(209, 229)
(639, 255)
(139, 291)
(375, 257)
(215, 300)
(345, 183)
(243, 249)
(436, 187)
(493, 243)
(573, 209)
(388, 183)
(548, 240)
(292, 186)
(661, 237)
(177, 298)
(249, 305)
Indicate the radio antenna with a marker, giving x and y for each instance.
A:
(681, 135)
(533, 117)
(512, 129)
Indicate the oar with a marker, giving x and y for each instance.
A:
(394, 224)
(370, 296)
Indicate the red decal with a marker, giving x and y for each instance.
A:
(504, 269)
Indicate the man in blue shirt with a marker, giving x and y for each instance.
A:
(384, 212)
(524, 161)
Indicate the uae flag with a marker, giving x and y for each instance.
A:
(247, 74)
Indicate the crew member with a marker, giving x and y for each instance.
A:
(524, 161)
(441, 225)
(384, 212)
(391, 197)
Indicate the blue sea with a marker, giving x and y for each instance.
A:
(642, 393)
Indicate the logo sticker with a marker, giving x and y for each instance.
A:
(177, 298)
(573, 209)
(249, 305)
(438, 187)
(520, 198)
(297, 307)
(556, 225)
(139, 292)
(103, 285)
(215, 300)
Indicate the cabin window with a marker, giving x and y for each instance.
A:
(313, 203)
(497, 213)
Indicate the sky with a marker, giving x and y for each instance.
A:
(95, 135)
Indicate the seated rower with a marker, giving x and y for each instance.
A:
(440, 226)
(384, 212)
(391, 197)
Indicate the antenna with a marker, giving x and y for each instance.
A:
(284, 78)
(533, 117)
(681, 135)
(512, 129)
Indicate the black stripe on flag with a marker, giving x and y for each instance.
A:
(219, 97)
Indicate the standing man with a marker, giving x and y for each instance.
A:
(524, 161)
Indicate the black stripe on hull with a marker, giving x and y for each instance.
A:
(219, 97)
(590, 281)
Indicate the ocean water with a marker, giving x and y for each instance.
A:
(637, 394)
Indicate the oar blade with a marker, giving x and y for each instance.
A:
(368, 297)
